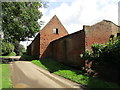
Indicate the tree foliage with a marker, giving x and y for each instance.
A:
(19, 20)
(7, 48)
(19, 49)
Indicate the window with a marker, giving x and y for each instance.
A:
(55, 30)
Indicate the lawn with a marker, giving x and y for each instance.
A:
(4, 56)
(6, 78)
(73, 74)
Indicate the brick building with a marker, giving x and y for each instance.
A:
(52, 31)
(54, 41)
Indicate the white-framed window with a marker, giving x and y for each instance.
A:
(55, 30)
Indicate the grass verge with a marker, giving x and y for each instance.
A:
(6, 79)
(73, 74)
(4, 56)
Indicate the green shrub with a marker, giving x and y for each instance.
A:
(7, 48)
(12, 54)
(87, 55)
(108, 53)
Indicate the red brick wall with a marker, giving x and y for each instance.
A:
(99, 33)
(47, 35)
(67, 49)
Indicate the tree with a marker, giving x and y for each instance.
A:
(19, 49)
(19, 20)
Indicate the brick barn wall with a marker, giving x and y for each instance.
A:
(67, 49)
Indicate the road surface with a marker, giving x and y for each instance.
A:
(28, 75)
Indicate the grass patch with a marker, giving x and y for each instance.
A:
(4, 56)
(73, 74)
(6, 79)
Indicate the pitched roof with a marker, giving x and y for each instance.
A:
(52, 19)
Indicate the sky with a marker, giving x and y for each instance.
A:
(73, 14)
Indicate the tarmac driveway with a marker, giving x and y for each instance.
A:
(27, 75)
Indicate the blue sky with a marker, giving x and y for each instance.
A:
(75, 13)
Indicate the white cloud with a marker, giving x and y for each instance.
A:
(53, 0)
(84, 12)
(43, 10)
(59, 0)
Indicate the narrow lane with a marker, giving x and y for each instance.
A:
(27, 75)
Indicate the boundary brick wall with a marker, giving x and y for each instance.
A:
(67, 49)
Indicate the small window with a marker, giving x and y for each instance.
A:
(55, 30)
